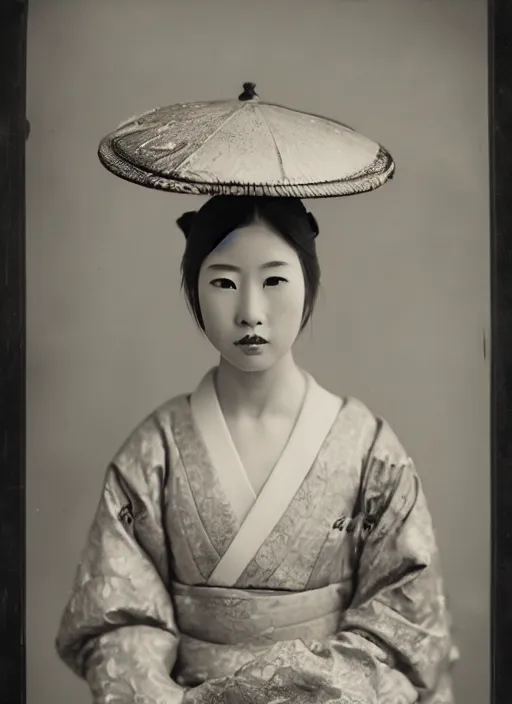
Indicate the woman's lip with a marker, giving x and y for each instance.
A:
(252, 349)
(251, 344)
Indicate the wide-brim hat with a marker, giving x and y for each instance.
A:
(244, 147)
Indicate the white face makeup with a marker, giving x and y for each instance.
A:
(252, 286)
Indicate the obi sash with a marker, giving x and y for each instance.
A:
(221, 629)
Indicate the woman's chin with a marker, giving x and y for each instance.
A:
(254, 365)
(250, 362)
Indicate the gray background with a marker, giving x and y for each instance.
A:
(405, 301)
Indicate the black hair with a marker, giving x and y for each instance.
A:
(205, 229)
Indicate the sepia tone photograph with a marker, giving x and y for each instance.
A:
(258, 312)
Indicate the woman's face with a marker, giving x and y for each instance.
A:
(252, 287)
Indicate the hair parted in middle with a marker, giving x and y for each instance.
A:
(206, 228)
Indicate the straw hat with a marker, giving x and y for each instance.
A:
(244, 147)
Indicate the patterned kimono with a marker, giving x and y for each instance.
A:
(324, 588)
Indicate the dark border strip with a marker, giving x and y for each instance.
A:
(13, 132)
(500, 140)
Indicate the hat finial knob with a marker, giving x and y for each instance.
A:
(249, 92)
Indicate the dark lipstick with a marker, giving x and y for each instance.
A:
(252, 340)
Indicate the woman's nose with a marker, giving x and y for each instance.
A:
(250, 309)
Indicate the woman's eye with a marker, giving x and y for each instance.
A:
(223, 283)
(274, 280)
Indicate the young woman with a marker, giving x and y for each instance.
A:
(261, 539)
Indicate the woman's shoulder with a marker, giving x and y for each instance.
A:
(359, 408)
(380, 439)
(173, 405)
(151, 434)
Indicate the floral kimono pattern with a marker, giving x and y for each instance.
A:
(325, 587)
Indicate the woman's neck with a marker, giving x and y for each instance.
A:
(276, 391)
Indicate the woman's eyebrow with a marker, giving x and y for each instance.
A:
(231, 267)
(274, 264)
(224, 267)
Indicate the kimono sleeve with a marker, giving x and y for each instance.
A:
(399, 613)
(118, 629)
